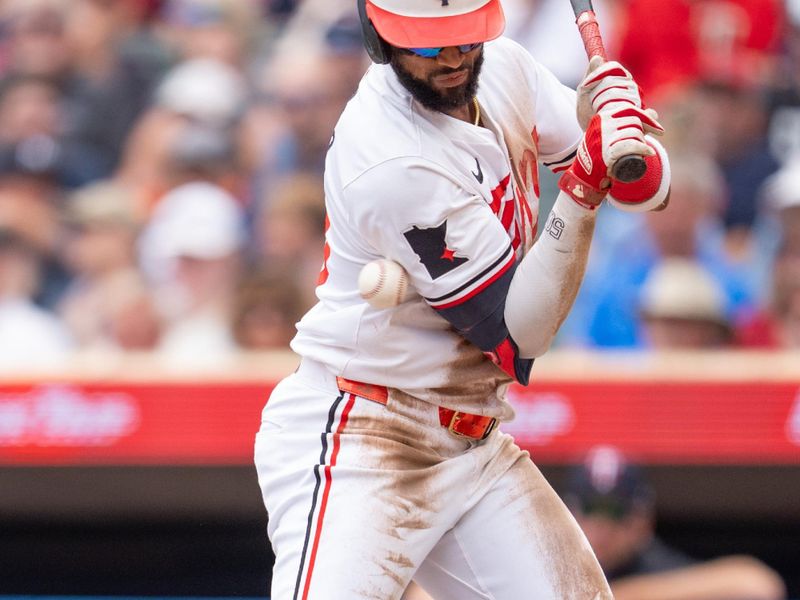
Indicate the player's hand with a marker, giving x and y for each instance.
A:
(608, 86)
(606, 139)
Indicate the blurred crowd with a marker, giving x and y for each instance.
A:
(720, 267)
(161, 172)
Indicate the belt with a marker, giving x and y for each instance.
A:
(461, 424)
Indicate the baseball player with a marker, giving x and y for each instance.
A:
(379, 459)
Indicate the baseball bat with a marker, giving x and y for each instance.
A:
(631, 167)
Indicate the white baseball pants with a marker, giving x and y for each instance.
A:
(363, 497)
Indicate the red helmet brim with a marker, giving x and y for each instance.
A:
(481, 25)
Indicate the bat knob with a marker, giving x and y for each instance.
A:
(629, 168)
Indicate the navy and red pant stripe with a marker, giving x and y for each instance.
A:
(321, 471)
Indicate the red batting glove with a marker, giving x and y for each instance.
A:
(608, 137)
(586, 181)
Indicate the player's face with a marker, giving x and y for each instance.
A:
(443, 83)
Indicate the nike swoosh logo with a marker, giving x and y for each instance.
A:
(479, 174)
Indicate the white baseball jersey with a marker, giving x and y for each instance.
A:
(456, 205)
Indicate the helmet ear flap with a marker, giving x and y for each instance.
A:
(379, 51)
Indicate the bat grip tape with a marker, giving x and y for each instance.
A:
(590, 34)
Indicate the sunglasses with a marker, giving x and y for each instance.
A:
(434, 52)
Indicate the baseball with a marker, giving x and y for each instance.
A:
(383, 283)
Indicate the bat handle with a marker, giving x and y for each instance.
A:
(590, 34)
(631, 167)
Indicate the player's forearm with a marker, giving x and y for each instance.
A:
(548, 278)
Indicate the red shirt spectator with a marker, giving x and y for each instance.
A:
(657, 45)
(737, 40)
(669, 43)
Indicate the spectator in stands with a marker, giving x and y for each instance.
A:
(777, 324)
(781, 197)
(723, 54)
(784, 125)
(219, 30)
(102, 223)
(784, 307)
(669, 45)
(198, 98)
(302, 92)
(665, 65)
(786, 304)
(683, 307)
(31, 129)
(79, 46)
(191, 250)
(267, 305)
(29, 335)
(310, 24)
(605, 313)
(203, 152)
(615, 506)
(738, 40)
(36, 44)
(29, 206)
(290, 229)
(29, 107)
(114, 70)
(738, 44)
(734, 116)
(203, 90)
(306, 100)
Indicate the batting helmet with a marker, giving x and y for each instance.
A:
(427, 24)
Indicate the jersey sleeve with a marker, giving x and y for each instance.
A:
(457, 253)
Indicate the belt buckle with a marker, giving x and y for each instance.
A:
(457, 416)
(490, 428)
(453, 420)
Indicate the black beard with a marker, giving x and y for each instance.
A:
(447, 100)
